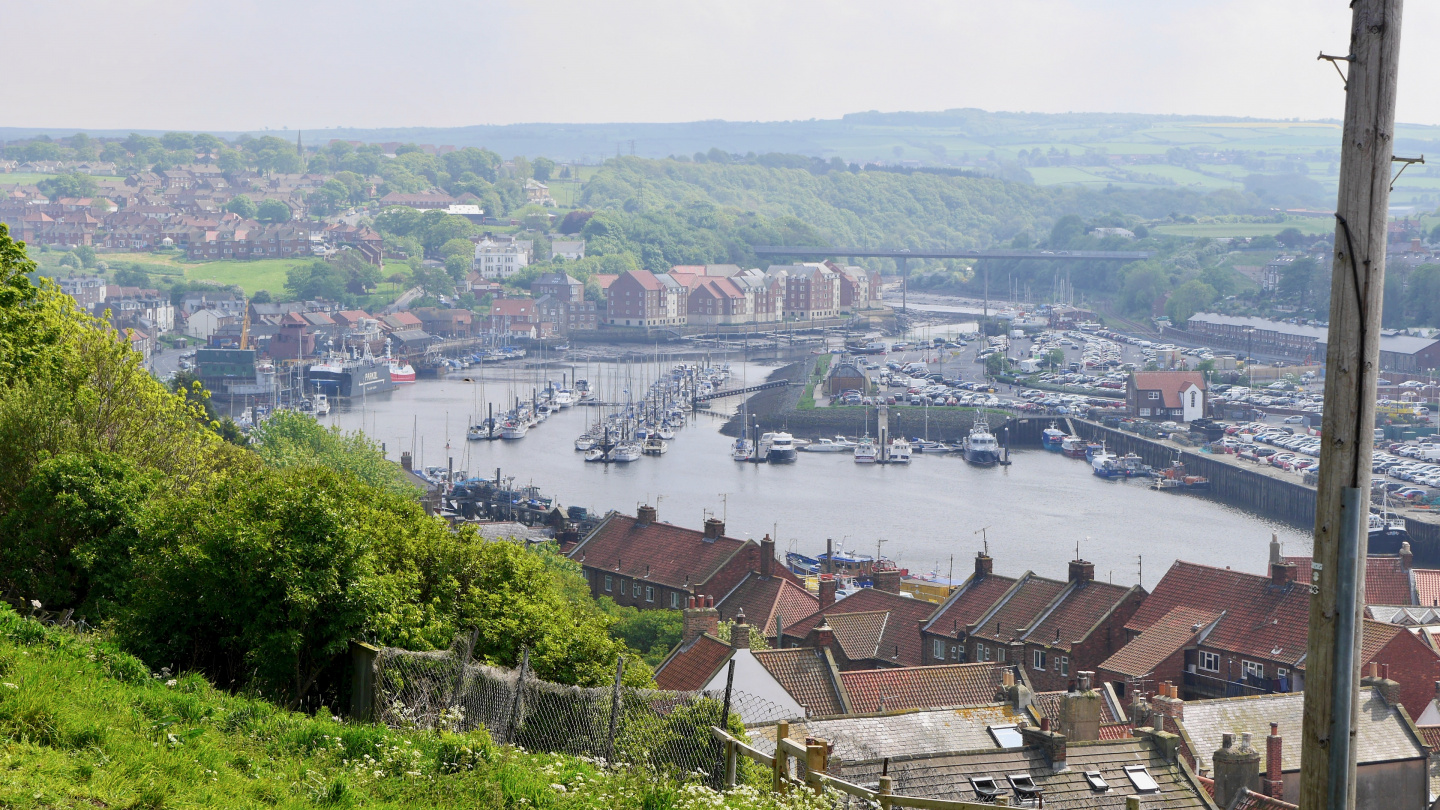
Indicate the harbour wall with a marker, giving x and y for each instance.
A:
(1241, 487)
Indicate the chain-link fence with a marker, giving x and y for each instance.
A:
(661, 729)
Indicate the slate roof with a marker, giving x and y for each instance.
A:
(946, 776)
(765, 599)
(1173, 632)
(657, 552)
(1083, 604)
(859, 634)
(968, 603)
(1261, 620)
(805, 674)
(1018, 608)
(690, 666)
(1382, 734)
(897, 689)
(858, 739)
(899, 644)
(1387, 582)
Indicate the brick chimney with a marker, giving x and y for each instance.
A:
(984, 565)
(828, 586)
(1235, 768)
(1378, 676)
(767, 557)
(646, 515)
(1049, 741)
(700, 617)
(714, 528)
(406, 462)
(1082, 571)
(1273, 784)
(740, 632)
(887, 580)
(1407, 557)
(1282, 573)
(1080, 711)
(1167, 703)
(824, 636)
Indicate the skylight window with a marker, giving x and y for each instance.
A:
(1096, 781)
(1141, 779)
(984, 787)
(1007, 736)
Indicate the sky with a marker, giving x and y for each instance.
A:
(311, 64)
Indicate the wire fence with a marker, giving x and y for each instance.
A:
(666, 731)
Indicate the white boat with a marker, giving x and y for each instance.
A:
(865, 451)
(585, 443)
(666, 433)
(563, 398)
(322, 405)
(824, 446)
(742, 450)
(514, 430)
(778, 447)
(655, 446)
(899, 451)
(595, 455)
(624, 453)
(844, 443)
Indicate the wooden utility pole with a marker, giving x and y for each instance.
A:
(1342, 505)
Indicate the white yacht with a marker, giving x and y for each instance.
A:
(742, 450)
(624, 453)
(899, 451)
(563, 398)
(824, 446)
(865, 451)
(779, 447)
(322, 405)
(514, 430)
(584, 443)
(654, 445)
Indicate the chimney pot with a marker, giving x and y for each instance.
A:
(647, 514)
(1082, 571)
(1235, 768)
(740, 632)
(1273, 784)
(714, 528)
(1407, 557)
(828, 586)
(767, 557)
(699, 619)
(1282, 573)
(984, 565)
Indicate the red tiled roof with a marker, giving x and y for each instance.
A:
(1169, 384)
(1248, 799)
(1427, 586)
(645, 279)
(898, 689)
(1159, 641)
(1431, 736)
(1047, 704)
(1115, 731)
(657, 552)
(900, 642)
(1261, 619)
(1023, 603)
(1375, 635)
(1386, 580)
(968, 604)
(513, 307)
(805, 674)
(691, 666)
(1082, 606)
(765, 599)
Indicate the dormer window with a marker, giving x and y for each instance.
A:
(1096, 782)
(1142, 780)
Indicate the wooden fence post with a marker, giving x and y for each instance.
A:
(730, 755)
(815, 755)
(781, 771)
(1132, 803)
(885, 790)
(614, 712)
(362, 681)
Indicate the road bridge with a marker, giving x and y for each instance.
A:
(903, 255)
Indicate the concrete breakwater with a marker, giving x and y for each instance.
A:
(1245, 487)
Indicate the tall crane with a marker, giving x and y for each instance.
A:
(245, 328)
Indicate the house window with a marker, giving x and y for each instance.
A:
(999, 655)
(674, 599)
(1252, 668)
(607, 582)
(1192, 399)
(1039, 660)
(1154, 395)
(649, 593)
(960, 654)
(636, 589)
(980, 652)
(1063, 665)
(1144, 411)
(1210, 662)
(940, 649)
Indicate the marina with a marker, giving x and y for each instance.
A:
(926, 510)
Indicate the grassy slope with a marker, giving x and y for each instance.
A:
(82, 725)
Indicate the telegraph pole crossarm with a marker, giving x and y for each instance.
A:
(1342, 503)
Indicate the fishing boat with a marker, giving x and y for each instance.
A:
(865, 451)
(1093, 449)
(1175, 477)
(322, 405)
(742, 450)
(981, 448)
(1073, 447)
(401, 373)
(1132, 466)
(1387, 530)
(350, 376)
(655, 446)
(823, 446)
(899, 451)
(1051, 438)
(778, 447)
(1106, 465)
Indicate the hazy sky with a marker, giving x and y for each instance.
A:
(248, 64)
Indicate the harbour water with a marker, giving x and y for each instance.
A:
(1034, 511)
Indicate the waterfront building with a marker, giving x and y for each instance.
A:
(642, 562)
(1166, 395)
(645, 299)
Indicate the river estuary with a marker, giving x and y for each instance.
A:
(1034, 512)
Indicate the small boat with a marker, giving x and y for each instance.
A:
(595, 454)
(824, 446)
(655, 446)
(927, 446)
(1074, 447)
(1106, 465)
(484, 429)
(742, 450)
(1052, 437)
(1132, 466)
(514, 429)
(585, 443)
(401, 373)
(1175, 477)
(563, 398)
(666, 433)
(778, 447)
(865, 451)
(322, 405)
(625, 453)
(899, 452)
